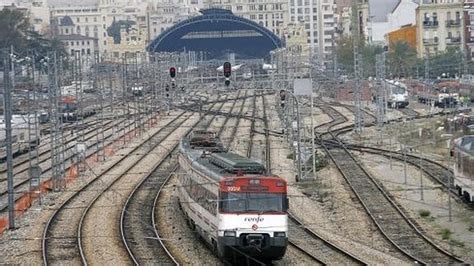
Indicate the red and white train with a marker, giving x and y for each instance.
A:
(464, 167)
(230, 201)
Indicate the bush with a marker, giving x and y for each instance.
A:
(446, 233)
(290, 156)
(424, 213)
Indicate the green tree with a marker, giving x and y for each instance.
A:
(401, 59)
(345, 53)
(369, 52)
(15, 31)
(14, 28)
(447, 64)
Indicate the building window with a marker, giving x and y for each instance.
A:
(78, 20)
(88, 51)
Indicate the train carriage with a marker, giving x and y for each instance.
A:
(22, 138)
(230, 201)
(464, 167)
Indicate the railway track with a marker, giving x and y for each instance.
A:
(439, 173)
(22, 181)
(436, 171)
(403, 233)
(410, 113)
(62, 233)
(317, 247)
(252, 125)
(237, 123)
(138, 228)
(221, 130)
(336, 119)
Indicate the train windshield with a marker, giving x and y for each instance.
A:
(253, 202)
(398, 90)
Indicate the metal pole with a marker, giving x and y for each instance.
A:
(405, 163)
(298, 135)
(8, 81)
(421, 179)
(313, 146)
(390, 152)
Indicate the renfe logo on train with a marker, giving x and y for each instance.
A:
(253, 219)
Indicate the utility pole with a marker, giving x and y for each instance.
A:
(380, 101)
(427, 77)
(55, 120)
(357, 69)
(100, 118)
(7, 107)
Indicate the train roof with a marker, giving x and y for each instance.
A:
(218, 164)
(466, 144)
(235, 163)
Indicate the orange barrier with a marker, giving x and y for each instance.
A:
(26, 200)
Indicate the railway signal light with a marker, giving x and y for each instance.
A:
(167, 90)
(227, 82)
(172, 72)
(282, 95)
(282, 98)
(227, 69)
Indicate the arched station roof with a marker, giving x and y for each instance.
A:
(217, 32)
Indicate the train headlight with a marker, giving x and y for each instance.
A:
(280, 234)
(230, 233)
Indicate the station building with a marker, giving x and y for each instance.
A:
(218, 32)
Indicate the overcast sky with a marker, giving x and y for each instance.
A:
(380, 8)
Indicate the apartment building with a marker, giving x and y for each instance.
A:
(440, 25)
(93, 20)
(87, 21)
(345, 19)
(271, 14)
(469, 28)
(318, 17)
(165, 13)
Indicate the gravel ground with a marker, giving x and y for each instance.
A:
(23, 245)
(435, 202)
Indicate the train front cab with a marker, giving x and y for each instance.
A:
(253, 219)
